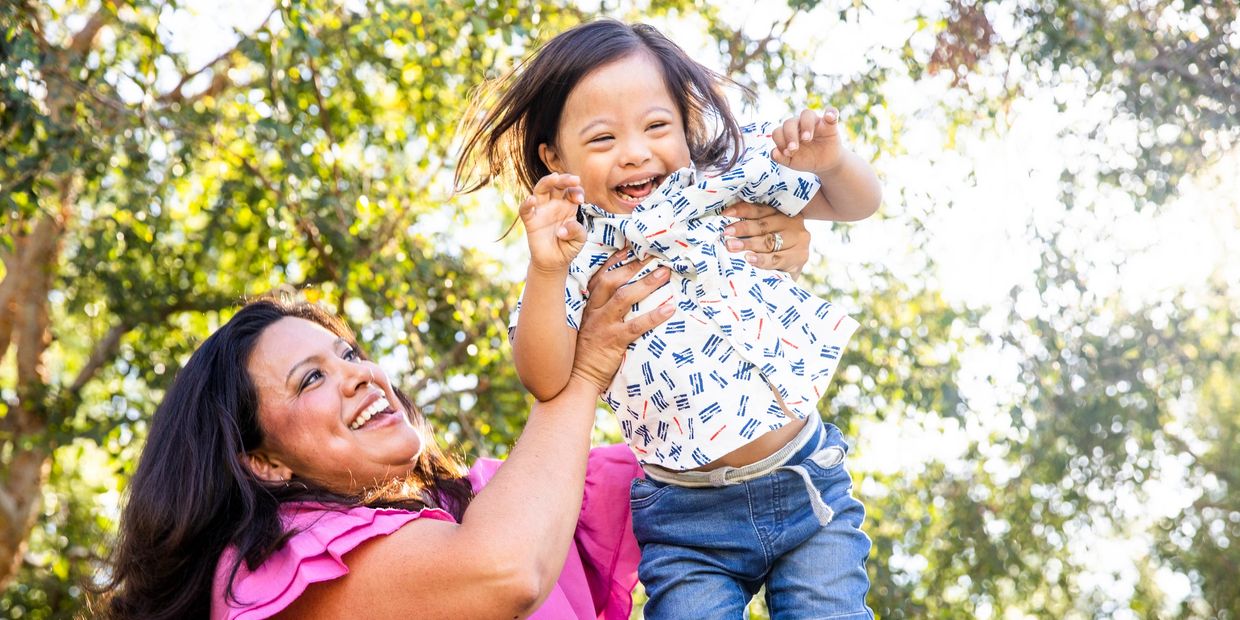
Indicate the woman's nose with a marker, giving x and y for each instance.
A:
(358, 377)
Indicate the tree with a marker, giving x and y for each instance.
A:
(141, 197)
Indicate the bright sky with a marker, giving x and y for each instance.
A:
(978, 202)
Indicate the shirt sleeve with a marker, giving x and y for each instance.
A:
(314, 554)
(768, 182)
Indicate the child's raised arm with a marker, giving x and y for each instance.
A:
(542, 342)
(812, 143)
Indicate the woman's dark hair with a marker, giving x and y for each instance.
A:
(504, 140)
(191, 496)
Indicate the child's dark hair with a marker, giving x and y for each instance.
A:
(532, 96)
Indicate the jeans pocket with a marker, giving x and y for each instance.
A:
(833, 456)
(827, 459)
(643, 493)
(826, 468)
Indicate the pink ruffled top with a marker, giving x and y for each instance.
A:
(597, 580)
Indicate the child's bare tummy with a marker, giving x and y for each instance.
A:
(757, 449)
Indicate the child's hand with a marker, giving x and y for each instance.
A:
(550, 219)
(810, 142)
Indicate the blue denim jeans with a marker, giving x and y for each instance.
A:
(707, 548)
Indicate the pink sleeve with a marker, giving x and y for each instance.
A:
(310, 556)
(605, 531)
(597, 580)
(601, 568)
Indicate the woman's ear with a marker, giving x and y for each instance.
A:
(550, 157)
(265, 468)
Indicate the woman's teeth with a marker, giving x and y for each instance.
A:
(374, 409)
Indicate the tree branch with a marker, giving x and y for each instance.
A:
(106, 348)
(453, 357)
(8, 508)
(8, 293)
(467, 427)
(219, 81)
(177, 95)
(36, 27)
(104, 351)
(325, 123)
(86, 36)
(30, 319)
(307, 228)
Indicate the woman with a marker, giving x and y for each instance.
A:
(284, 475)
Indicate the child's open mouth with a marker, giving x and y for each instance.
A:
(638, 190)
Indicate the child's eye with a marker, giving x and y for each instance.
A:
(600, 139)
(350, 354)
(658, 124)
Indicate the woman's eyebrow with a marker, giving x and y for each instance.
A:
(311, 358)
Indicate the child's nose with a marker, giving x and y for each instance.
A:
(635, 153)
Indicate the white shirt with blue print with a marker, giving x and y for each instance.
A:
(698, 386)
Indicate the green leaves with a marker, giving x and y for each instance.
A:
(310, 158)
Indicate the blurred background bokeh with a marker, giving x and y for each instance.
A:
(1042, 400)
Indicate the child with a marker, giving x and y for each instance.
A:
(744, 483)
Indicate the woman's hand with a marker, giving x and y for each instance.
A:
(605, 335)
(773, 240)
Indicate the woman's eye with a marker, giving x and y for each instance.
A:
(600, 139)
(311, 377)
(350, 354)
(658, 124)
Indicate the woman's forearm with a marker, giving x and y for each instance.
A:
(504, 557)
(526, 515)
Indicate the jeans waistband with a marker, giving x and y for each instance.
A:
(810, 436)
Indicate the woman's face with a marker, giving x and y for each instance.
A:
(326, 415)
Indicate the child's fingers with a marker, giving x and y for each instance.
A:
(572, 230)
(790, 133)
(778, 137)
(828, 123)
(554, 185)
(544, 187)
(806, 124)
(528, 207)
(780, 152)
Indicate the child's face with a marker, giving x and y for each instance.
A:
(621, 132)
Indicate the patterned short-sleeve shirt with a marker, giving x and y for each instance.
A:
(699, 385)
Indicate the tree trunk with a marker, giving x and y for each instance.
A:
(20, 501)
(24, 445)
